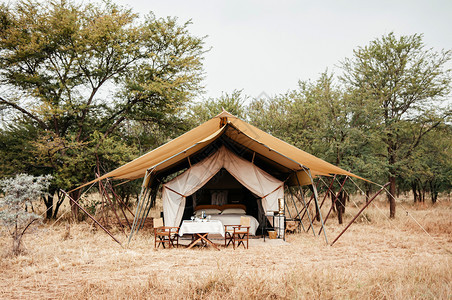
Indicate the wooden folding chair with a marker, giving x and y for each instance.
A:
(165, 234)
(238, 233)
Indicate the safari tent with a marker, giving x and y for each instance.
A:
(225, 153)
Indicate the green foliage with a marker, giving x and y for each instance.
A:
(403, 83)
(80, 76)
(234, 103)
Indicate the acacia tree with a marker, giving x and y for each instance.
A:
(234, 103)
(19, 192)
(404, 82)
(79, 73)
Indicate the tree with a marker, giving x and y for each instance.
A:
(429, 168)
(80, 74)
(404, 82)
(234, 103)
(19, 192)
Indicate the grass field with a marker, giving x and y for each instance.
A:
(380, 259)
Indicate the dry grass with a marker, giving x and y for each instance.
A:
(377, 260)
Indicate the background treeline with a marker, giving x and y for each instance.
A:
(86, 88)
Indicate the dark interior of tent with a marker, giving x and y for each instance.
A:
(223, 183)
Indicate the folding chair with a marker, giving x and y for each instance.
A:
(165, 234)
(238, 233)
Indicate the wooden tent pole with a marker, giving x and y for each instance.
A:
(105, 193)
(356, 216)
(309, 202)
(301, 222)
(108, 184)
(135, 220)
(119, 198)
(294, 204)
(314, 188)
(326, 194)
(91, 217)
(334, 201)
(304, 202)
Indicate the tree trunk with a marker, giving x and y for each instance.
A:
(433, 191)
(340, 206)
(58, 204)
(391, 196)
(332, 201)
(48, 201)
(413, 188)
(74, 208)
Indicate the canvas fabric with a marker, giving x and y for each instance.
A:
(245, 134)
(259, 182)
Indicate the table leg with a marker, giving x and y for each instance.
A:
(208, 241)
(203, 237)
(196, 238)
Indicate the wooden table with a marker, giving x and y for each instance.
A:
(200, 231)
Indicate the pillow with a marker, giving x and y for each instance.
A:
(209, 211)
(233, 211)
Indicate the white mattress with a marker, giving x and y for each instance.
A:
(234, 219)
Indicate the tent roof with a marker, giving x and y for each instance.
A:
(225, 124)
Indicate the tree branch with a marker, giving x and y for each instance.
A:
(24, 111)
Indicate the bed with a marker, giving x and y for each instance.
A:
(228, 214)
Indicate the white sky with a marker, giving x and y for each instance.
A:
(268, 46)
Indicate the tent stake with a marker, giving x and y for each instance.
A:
(356, 216)
(302, 198)
(314, 188)
(91, 217)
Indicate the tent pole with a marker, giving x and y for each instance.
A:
(152, 197)
(135, 220)
(141, 204)
(146, 202)
(105, 193)
(287, 207)
(326, 194)
(294, 204)
(108, 184)
(314, 188)
(304, 202)
(357, 215)
(334, 200)
(309, 202)
(291, 195)
(91, 217)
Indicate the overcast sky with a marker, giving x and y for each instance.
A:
(268, 46)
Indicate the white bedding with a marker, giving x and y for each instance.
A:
(234, 219)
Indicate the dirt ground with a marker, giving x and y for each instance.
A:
(376, 258)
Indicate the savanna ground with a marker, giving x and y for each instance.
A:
(375, 259)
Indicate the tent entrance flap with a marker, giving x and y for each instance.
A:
(256, 180)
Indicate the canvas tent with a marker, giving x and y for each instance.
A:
(174, 193)
(271, 150)
(259, 161)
